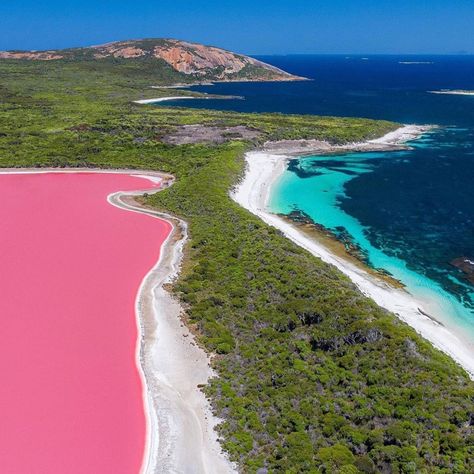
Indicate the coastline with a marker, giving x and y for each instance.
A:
(182, 97)
(392, 141)
(291, 78)
(252, 193)
(164, 99)
(180, 425)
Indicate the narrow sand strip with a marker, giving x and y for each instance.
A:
(264, 168)
(181, 436)
(164, 99)
(183, 97)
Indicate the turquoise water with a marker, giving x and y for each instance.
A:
(316, 185)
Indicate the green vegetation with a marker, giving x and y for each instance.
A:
(171, 60)
(313, 377)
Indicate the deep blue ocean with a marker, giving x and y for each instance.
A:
(410, 212)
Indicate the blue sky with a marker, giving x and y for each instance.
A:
(247, 26)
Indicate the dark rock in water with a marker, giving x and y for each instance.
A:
(382, 271)
(339, 233)
(351, 246)
(294, 166)
(301, 217)
(466, 265)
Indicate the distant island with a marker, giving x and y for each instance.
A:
(174, 60)
(415, 62)
(452, 92)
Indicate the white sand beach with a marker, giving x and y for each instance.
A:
(203, 96)
(165, 99)
(265, 167)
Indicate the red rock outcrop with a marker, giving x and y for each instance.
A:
(192, 59)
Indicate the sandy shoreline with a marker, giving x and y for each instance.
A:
(182, 97)
(392, 141)
(164, 99)
(180, 425)
(265, 167)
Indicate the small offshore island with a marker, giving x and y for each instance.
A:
(305, 372)
(452, 92)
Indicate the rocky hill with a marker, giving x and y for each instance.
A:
(190, 60)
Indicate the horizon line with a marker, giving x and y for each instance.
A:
(275, 53)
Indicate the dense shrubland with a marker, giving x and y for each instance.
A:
(313, 377)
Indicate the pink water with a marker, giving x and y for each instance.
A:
(70, 268)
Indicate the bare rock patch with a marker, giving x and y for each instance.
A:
(192, 134)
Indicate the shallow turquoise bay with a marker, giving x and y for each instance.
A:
(317, 186)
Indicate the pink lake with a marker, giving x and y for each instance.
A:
(71, 266)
